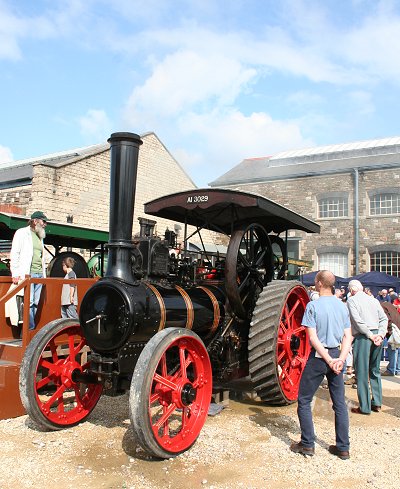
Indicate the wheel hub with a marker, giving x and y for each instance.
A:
(68, 373)
(295, 343)
(188, 394)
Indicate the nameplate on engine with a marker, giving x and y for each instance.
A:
(195, 199)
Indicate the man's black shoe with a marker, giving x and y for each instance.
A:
(299, 448)
(344, 455)
(357, 410)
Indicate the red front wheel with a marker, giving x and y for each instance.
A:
(55, 388)
(170, 392)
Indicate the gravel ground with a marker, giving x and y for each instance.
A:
(245, 446)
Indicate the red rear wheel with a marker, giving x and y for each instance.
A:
(53, 387)
(278, 343)
(170, 392)
(292, 346)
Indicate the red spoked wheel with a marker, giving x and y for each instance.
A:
(170, 392)
(278, 343)
(55, 387)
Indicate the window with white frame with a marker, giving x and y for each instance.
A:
(337, 263)
(333, 207)
(386, 261)
(384, 203)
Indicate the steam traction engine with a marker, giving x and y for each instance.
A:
(168, 328)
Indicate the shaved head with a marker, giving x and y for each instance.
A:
(326, 278)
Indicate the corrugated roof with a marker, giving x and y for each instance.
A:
(335, 158)
(341, 148)
(60, 155)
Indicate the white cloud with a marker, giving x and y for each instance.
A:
(226, 137)
(184, 80)
(70, 18)
(95, 125)
(5, 154)
(375, 45)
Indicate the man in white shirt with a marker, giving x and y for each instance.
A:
(27, 258)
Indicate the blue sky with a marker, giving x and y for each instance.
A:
(217, 81)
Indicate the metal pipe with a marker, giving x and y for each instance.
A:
(124, 164)
(356, 222)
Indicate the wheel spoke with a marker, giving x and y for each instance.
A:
(167, 412)
(281, 356)
(244, 282)
(42, 383)
(287, 375)
(259, 282)
(55, 397)
(182, 361)
(283, 326)
(74, 350)
(244, 261)
(51, 367)
(78, 397)
(251, 243)
(53, 350)
(298, 330)
(260, 258)
(293, 310)
(163, 362)
(301, 359)
(164, 381)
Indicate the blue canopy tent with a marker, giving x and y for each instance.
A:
(308, 279)
(377, 281)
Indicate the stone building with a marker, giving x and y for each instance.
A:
(75, 184)
(351, 190)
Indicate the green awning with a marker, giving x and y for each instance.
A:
(57, 234)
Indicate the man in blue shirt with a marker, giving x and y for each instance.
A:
(328, 327)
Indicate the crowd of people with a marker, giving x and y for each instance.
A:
(343, 293)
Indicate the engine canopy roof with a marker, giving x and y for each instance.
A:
(221, 210)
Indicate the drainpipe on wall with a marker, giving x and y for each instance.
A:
(356, 222)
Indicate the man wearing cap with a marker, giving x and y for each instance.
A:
(27, 257)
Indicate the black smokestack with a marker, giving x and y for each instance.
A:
(124, 164)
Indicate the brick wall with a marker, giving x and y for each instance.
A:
(301, 196)
(15, 200)
(82, 187)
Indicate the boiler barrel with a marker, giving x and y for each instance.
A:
(198, 308)
(114, 313)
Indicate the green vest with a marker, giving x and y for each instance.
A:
(36, 266)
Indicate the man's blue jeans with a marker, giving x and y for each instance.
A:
(394, 360)
(311, 379)
(36, 289)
